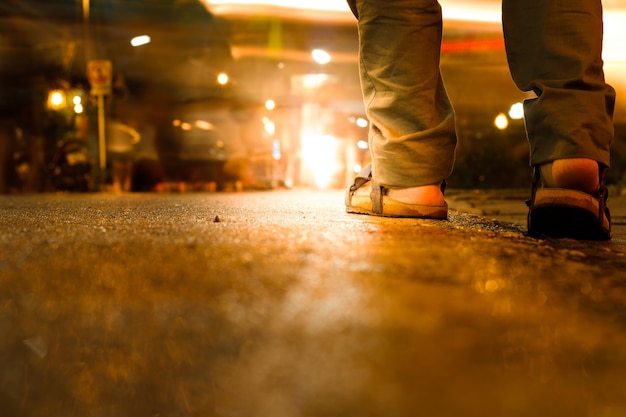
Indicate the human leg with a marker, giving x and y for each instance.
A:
(412, 134)
(117, 174)
(554, 48)
(127, 175)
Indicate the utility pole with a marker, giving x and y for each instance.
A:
(99, 74)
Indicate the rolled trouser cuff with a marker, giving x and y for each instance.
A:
(416, 159)
(565, 124)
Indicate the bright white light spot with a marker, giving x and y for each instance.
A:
(313, 81)
(357, 168)
(140, 40)
(320, 56)
(78, 108)
(270, 104)
(501, 121)
(270, 127)
(614, 35)
(325, 5)
(474, 11)
(319, 155)
(222, 78)
(361, 144)
(361, 122)
(57, 98)
(204, 125)
(276, 154)
(516, 112)
(77, 100)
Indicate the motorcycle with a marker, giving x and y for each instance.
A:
(70, 168)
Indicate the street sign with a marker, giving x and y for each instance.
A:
(99, 74)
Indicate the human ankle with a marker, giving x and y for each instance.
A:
(580, 174)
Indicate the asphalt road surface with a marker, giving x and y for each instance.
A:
(279, 304)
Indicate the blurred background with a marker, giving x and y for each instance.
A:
(199, 95)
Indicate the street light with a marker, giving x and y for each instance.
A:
(222, 78)
(501, 121)
(516, 112)
(140, 40)
(361, 122)
(56, 99)
(78, 104)
(320, 56)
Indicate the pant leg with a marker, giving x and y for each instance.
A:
(554, 48)
(412, 131)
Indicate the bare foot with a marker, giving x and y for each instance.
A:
(575, 174)
(426, 194)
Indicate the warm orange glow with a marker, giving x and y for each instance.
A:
(140, 40)
(222, 78)
(478, 11)
(319, 155)
(204, 125)
(320, 56)
(56, 99)
(473, 46)
(501, 121)
(323, 5)
(240, 51)
(516, 112)
(325, 10)
(614, 35)
(486, 14)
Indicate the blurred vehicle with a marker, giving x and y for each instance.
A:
(70, 168)
(222, 144)
(66, 168)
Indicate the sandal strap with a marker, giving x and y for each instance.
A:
(361, 179)
(603, 196)
(376, 196)
(536, 180)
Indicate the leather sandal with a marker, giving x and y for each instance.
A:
(565, 213)
(378, 203)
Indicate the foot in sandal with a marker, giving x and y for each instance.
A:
(569, 201)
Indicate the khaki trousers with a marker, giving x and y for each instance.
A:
(553, 47)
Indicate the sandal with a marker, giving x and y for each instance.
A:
(565, 213)
(377, 203)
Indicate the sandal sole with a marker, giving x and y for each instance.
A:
(393, 208)
(561, 213)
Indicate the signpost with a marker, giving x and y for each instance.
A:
(99, 74)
